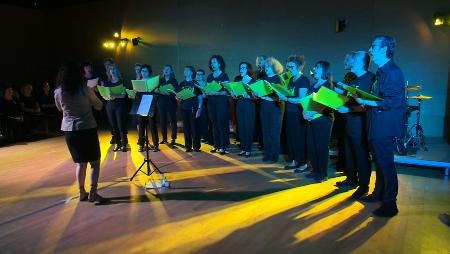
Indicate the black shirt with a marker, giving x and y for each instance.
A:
(10, 108)
(387, 120)
(170, 96)
(301, 82)
(191, 103)
(364, 82)
(28, 102)
(223, 77)
(327, 111)
(47, 103)
(239, 78)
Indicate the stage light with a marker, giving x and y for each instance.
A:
(111, 44)
(106, 44)
(441, 19)
(123, 42)
(136, 41)
(438, 22)
(116, 35)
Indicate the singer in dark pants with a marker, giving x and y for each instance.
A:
(219, 106)
(167, 106)
(245, 110)
(191, 110)
(295, 123)
(319, 128)
(385, 123)
(271, 113)
(117, 110)
(356, 143)
(148, 121)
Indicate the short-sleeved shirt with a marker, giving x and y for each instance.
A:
(239, 78)
(223, 77)
(273, 80)
(191, 103)
(327, 111)
(301, 82)
(171, 96)
(77, 110)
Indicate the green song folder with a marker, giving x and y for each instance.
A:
(283, 90)
(213, 87)
(152, 83)
(237, 88)
(186, 93)
(166, 88)
(308, 104)
(145, 85)
(104, 92)
(285, 78)
(107, 92)
(363, 94)
(330, 98)
(260, 88)
(131, 93)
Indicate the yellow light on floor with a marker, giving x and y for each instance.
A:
(438, 22)
(116, 35)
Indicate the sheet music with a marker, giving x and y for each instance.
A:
(144, 106)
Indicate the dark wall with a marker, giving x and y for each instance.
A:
(25, 53)
(182, 32)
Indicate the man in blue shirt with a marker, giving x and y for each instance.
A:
(385, 121)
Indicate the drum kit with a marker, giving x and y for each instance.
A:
(414, 138)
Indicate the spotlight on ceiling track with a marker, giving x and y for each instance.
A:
(136, 41)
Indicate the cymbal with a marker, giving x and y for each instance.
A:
(421, 97)
(413, 88)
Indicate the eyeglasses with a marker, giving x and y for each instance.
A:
(290, 66)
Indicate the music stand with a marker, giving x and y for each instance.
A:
(143, 105)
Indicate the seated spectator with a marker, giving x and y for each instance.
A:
(12, 119)
(26, 101)
(46, 100)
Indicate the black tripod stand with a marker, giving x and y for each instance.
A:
(142, 106)
(147, 161)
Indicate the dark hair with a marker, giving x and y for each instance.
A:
(148, 67)
(87, 63)
(298, 60)
(202, 71)
(389, 43)
(69, 78)
(138, 64)
(219, 59)
(192, 70)
(172, 75)
(249, 68)
(326, 69)
(6, 86)
(108, 60)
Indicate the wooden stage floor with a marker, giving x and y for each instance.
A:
(216, 204)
